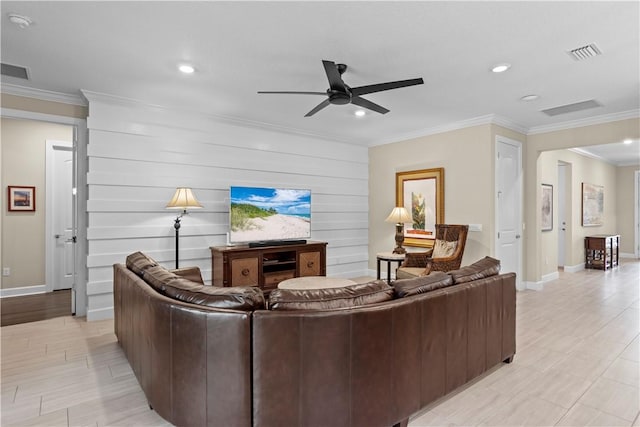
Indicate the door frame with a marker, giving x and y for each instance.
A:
(504, 140)
(80, 137)
(636, 249)
(51, 241)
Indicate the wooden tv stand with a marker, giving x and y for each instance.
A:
(266, 266)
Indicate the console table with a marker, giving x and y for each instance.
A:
(601, 251)
(266, 266)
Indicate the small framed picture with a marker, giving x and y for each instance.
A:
(21, 199)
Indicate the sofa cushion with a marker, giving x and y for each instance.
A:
(157, 276)
(323, 299)
(443, 249)
(245, 298)
(139, 262)
(419, 285)
(485, 267)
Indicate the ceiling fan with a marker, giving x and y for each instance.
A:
(340, 94)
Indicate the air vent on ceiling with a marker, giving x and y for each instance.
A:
(584, 52)
(572, 108)
(15, 71)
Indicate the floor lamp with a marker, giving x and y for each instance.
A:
(183, 199)
(400, 216)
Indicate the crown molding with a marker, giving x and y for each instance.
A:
(597, 120)
(130, 102)
(463, 124)
(44, 95)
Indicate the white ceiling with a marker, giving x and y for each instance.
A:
(131, 49)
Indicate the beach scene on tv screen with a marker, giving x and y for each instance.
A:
(259, 214)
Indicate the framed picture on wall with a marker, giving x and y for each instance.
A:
(421, 192)
(546, 208)
(21, 198)
(592, 205)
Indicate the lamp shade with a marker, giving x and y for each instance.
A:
(399, 215)
(183, 199)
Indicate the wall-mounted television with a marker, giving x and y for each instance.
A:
(261, 215)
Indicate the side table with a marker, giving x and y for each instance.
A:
(389, 257)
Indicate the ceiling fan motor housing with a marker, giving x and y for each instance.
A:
(339, 98)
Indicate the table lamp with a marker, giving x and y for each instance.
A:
(182, 199)
(400, 216)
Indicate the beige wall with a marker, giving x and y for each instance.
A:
(467, 158)
(604, 133)
(43, 107)
(625, 179)
(23, 163)
(583, 169)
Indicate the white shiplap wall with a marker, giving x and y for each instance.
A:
(138, 154)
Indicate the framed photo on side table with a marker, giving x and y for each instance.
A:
(421, 192)
(546, 208)
(21, 199)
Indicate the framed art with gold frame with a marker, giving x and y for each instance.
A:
(421, 192)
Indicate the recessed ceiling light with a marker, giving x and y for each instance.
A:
(21, 21)
(359, 113)
(186, 68)
(529, 98)
(500, 68)
(627, 141)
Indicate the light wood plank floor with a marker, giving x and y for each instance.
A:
(576, 364)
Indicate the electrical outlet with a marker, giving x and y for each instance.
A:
(6, 271)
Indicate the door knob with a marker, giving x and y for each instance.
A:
(517, 236)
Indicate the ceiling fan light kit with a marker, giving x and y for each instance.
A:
(339, 93)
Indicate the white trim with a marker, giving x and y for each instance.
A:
(626, 255)
(534, 286)
(504, 140)
(574, 268)
(636, 216)
(551, 276)
(44, 95)
(21, 291)
(100, 314)
(50, 241)
(462, 124)
(30, 115)
(606, 118)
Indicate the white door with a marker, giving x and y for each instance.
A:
(562, 223)
(61, 238)
(509, 206)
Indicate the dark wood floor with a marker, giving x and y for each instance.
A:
(31, 308)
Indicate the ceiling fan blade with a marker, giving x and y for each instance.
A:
(333, 75)
(363, 90)
(318, 107)
(293, 93)
(368, 104)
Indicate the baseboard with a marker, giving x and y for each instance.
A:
(551, 276)
(22, 291)
(626, 255)
(534, 286)
(574, 268)
(100, 314)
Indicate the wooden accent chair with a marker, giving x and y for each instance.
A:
(450, 241)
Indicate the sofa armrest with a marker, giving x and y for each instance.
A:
(416, 259)
(189, 273)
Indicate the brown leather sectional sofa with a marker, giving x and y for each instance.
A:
(379, 355)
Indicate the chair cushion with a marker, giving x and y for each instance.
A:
(324, 299)
(485, 267)
(139, 262)
(410, 272)
(247, 298)
(443, 249)
(420, 285)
